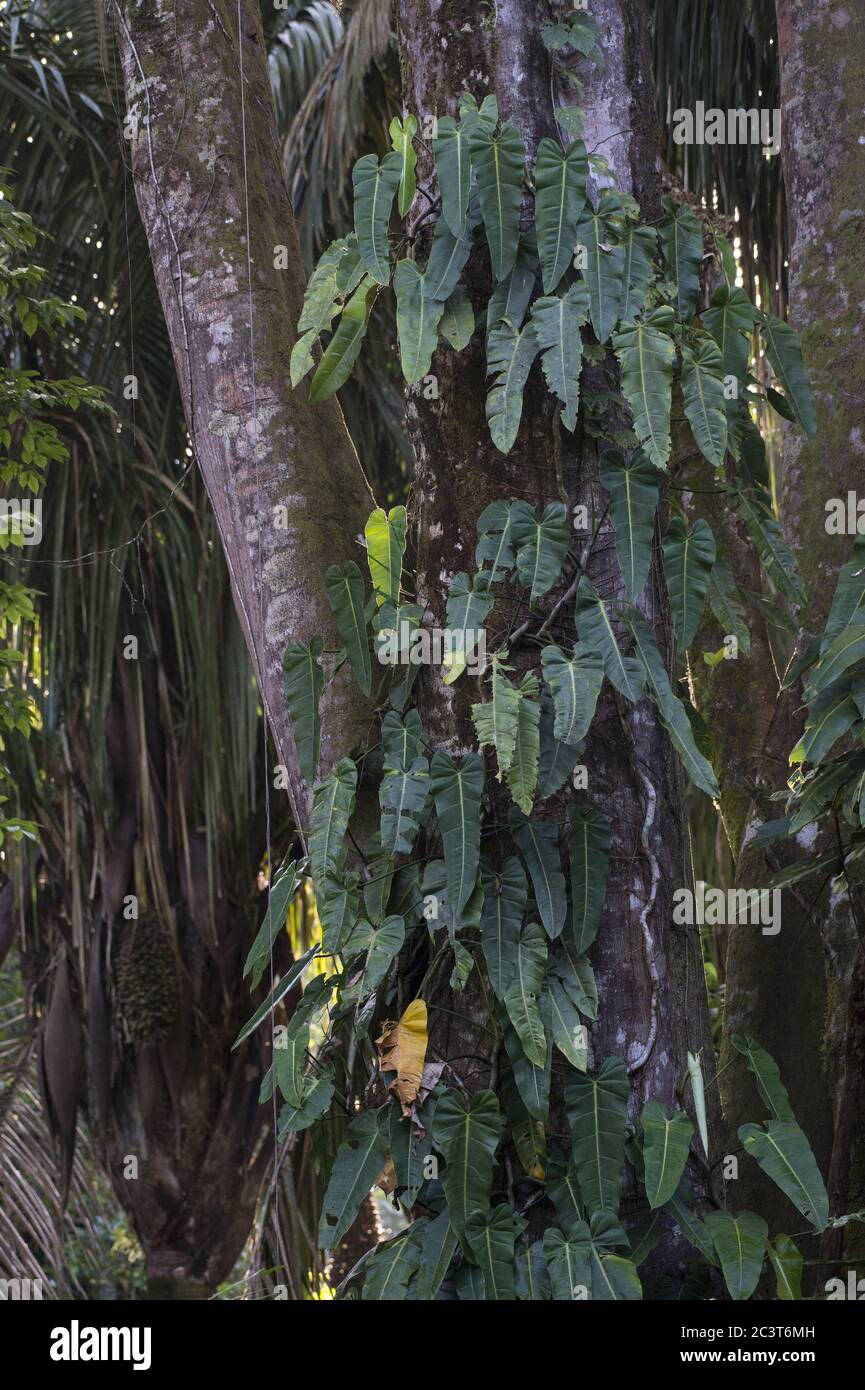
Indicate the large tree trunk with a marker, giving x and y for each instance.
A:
(801, 993)
(213, 201)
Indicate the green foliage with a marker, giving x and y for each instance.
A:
(304, 683)
(689, 555)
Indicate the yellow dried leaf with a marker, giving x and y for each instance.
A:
(402, 1047)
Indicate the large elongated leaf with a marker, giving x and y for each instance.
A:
(575, 687)
(671, 710)
(510, 354)
(387, 1276)
(787, 1263)
(304, 683)
(848, 602)
(640, 244)
(682, 240)
(666, 1141)
(505, 895)
(402, 135)
(558, 320)
(783, 1152)
(492, 1236)
(417, 320)
(466, 1131)
(582, 1264)
(784, 352)
(541, 546)
(286, 882)
(467, 607)
(730, 321)
(458, 320)
(345, 593)
(569, 1034)
(576, 974)
(510, 299)
(768, 539)
(688, 560)
(290, 1047)
(532, 1276)
(830, 717)
(278, 993)
(532, 1082)
(557, 760)
(598, 1116)
(457, 789)
(453, 168)
(521, 996)
(317, 1096)
(359, 1160)
(494, 545)
(589, 839)
(633, 491)
(496, 719)
(439, 1247)
(385, 943)
(538, 841)
(595, 631)
(498, 162)
(341, 353)
(448, 255)
(740, 1242)
(848, 648)
(375, 185)
(605, 263)
(385, 546)
(769, 1084)
(560, 196)
(333, 803)
(646, 353)
(703, 392)
(523, 772)
(725, 602)
(402, 797)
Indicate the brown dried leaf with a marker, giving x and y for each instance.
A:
(402, 1048)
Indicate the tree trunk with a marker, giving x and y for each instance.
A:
(210, 191)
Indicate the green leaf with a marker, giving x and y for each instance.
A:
(290, 1047)
(672, 712)
(402, 796)
(521, 996)
(523, 772)
(402, 739)
(787, 1264)
(448, 255)
(498, 162)
(342, 351)
(765, 1069)
(598, 1116)
(633, 491)
(494, 530)
(374, 187)
(698, 1096)
(740, 1242)
(359, 1160)
(332, 805)
(345, 593)
(417, 321)
(768, 539)
(605, 263)
(495, 720)
(646, 354)
(784, 1154)
(848, 602)
(457, 789)
(557, 761)
(491, 1236)
(286, 882)
(560, 196)
(541, 546)
(510, 299)
(688, 560)
(577, 976)
(304, 684)
(466, 1131)
(386, 942)
(848, 648)
(589, 839)
(410, 1147)
(453, 169)
(557, 321)
(439, 1246)
(596, 634)
(505, 896)
(640, 245)
(317, 1096)
(666, 1142)
(693, 1229)
(726, 604)
(703, 392)
(532, 1277)
(569, 1034)
(278, 993)
(393, 1263)
(682, 240)
(731, 323)
(458, 320)
(568, 1262)
(467, 609)
(575, 687)
(510, 355)
(828, 719)
(385, 546)
(784, 352)
(402, 139)
(538, 841)
(532, 1083)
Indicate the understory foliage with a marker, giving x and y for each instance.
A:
(578, 276)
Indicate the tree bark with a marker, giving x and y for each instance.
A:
(208, 180)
